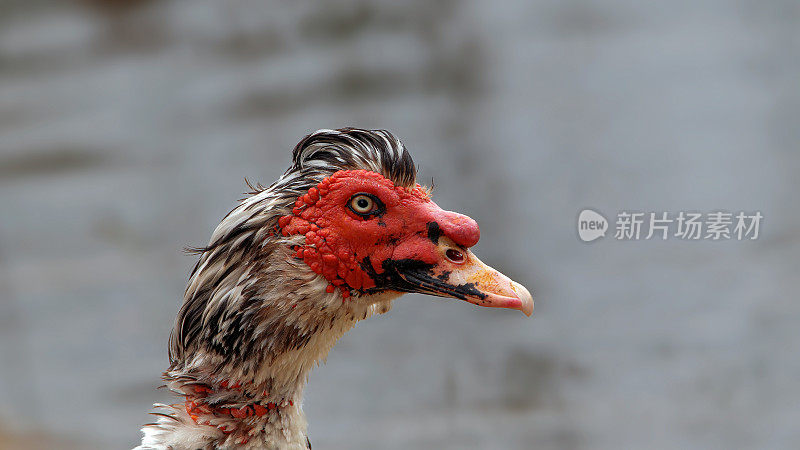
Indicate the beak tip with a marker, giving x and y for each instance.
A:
(526, 299)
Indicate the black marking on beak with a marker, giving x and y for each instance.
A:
(391, 278)
(410, 275)
(427, 284)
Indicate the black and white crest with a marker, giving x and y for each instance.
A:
(326, 151)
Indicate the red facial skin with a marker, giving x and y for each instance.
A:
(338, 240)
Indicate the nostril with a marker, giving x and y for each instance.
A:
(454, 255)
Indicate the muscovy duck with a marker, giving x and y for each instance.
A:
(344, 232)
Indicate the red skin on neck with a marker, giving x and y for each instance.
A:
(197, 408)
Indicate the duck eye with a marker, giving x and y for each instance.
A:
(364, 204)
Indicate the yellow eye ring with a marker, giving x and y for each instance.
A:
(364, 204)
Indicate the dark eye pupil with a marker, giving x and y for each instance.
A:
(363, 203)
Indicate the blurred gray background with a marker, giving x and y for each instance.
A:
(127, 128)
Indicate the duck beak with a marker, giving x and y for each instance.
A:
(488, 287)
(460, 274)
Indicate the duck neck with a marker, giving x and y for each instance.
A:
(241, 364)
(257, 401)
